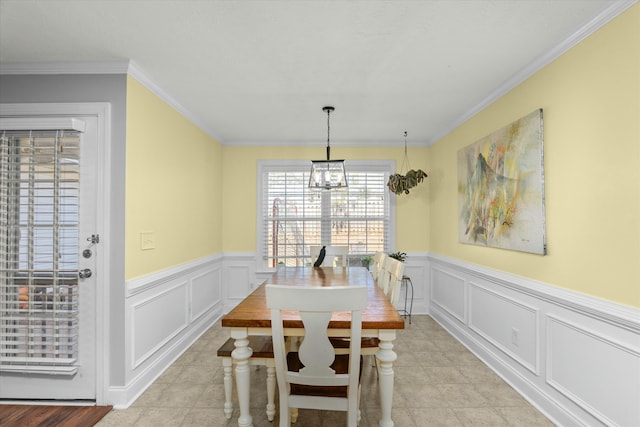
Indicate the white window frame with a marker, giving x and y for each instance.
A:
(386, 166)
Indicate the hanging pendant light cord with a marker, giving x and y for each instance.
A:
(406, 157)
(328, 131)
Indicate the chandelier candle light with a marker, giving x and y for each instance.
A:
(327, 174)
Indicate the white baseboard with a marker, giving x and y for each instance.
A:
(575, 357)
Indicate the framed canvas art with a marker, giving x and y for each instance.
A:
(501, 188)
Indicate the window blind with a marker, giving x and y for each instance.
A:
(294, 217)
(39, 223)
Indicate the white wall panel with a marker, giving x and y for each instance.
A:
(151, 330)
(417, 269)
(238, 280)
(598, 374)
(448, 291)
(206, 292)
(506, 323)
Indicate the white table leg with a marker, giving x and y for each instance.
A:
(385, 357)
(227, 366)
(271, 389)
(241, 356)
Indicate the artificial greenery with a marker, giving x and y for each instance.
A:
(400, 184)
(366, 261)
(400, 256)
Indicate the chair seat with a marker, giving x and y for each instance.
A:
(262, 347)
(342, 343)
(340, 365)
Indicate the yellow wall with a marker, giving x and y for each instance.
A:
(590, 97)
(591, 102)
(239, 196)
(173, 176)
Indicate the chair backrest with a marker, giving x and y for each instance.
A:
(377, 264)
(395, 269)
(315, 306)
(383, 275)
(335, 256)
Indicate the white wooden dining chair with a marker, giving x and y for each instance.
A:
(376, 265)
(315, 377)
(389, 279)
(383, 275)
(335, 256)
(395, 269)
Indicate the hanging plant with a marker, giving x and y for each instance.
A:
(401, 184)
(400, 256)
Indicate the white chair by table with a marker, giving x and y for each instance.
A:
(335, 256)
(377, 264)
(315, 377)
(383, 276)
(395, 270)
(390, 277)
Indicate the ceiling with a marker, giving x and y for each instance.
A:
(259, 72)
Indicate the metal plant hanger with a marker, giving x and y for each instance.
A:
(400, 183)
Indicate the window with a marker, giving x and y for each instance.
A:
(292, 217)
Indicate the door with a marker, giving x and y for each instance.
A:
(48, 247)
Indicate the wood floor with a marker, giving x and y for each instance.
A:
(59, 416)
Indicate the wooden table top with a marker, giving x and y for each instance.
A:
(252, 312)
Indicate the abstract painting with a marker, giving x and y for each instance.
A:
(501, 188)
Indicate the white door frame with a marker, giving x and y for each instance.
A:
(101, 110)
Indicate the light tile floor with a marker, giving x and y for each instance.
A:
(438, 382)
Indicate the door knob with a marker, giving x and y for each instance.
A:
(84, 274)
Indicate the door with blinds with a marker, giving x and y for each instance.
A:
(48, 250)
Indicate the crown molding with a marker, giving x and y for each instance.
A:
(608, 13)
(129, 67)
(83, 67)
(136, 72)
(104, 67)
(318, 143)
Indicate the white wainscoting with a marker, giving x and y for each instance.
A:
(165, 313)
(416, 267)
(576, 358)
(239, 278)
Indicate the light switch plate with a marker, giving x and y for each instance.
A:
(147, 240)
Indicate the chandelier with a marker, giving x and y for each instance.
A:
(327, 174)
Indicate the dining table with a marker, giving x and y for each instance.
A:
(380, 320)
